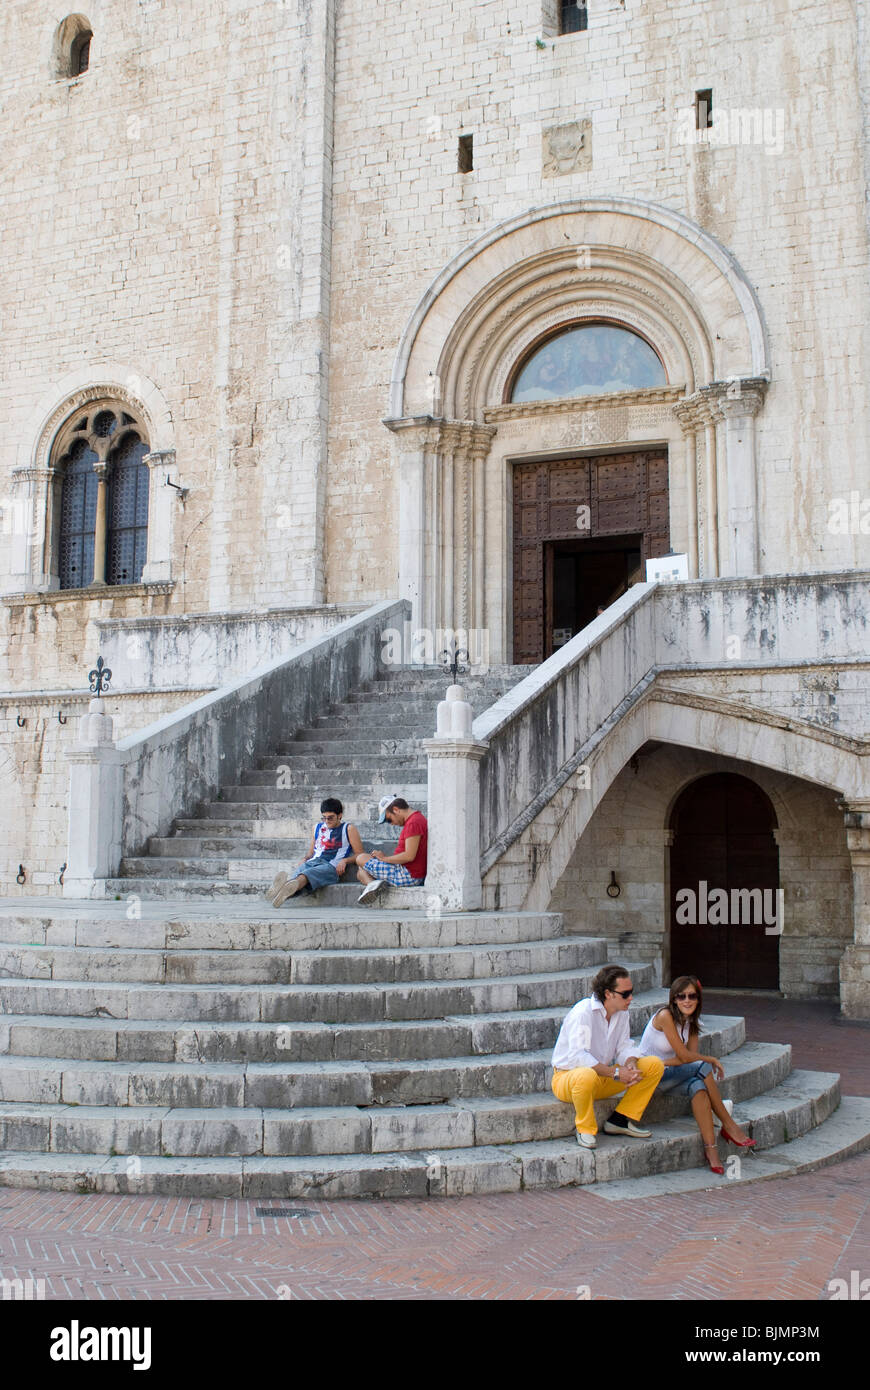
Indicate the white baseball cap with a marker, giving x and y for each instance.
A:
(384, 805)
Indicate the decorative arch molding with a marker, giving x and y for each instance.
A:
(623, 260)
(834, 762)
(33, 566)
(122, 383)
(650, 253)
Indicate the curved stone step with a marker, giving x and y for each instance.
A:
(337, 1004)
(278, 1085)
(182, 965)
(299, 930)
(444, 1171)
(784, 1112)
(157, 1040)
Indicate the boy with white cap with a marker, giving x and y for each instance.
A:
(407, 867)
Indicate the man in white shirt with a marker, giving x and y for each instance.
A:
(593, 1058)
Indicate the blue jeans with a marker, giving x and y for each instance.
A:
(686, 1080)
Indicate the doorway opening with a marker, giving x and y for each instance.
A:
(725, 905)
(583, 528)
(583, 578)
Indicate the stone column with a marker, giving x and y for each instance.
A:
(738, 402)
(95, 807)
(855, 963)
(102, 523)
(454, 807)
(162, 501)
(25, 513)
(416, 438)
(687, 414)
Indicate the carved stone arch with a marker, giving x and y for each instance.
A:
(663, 252)
(621, 260)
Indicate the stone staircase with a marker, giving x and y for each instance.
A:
(370, 744)
(277, 1054)
(199, 1041)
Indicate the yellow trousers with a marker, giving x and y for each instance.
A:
(581, 1086)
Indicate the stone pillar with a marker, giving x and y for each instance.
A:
(95, 807)
(416, 438)
(687, 414)
(162, 501)
(738, 403)
(454, 807)
(24, 528)
(102, 524)
(855, 962)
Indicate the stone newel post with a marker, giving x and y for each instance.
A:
(94, 841)
(454, 807)
(855, 962)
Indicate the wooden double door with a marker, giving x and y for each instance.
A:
(723, 839)
(582, 531)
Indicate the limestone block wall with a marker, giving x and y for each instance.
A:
(35, 777)
(629, 835)
(782, 189)
(166, 220)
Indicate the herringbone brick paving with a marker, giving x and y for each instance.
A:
(783, 1239)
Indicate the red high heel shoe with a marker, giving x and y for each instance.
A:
(713, 1166)
(738, 1143)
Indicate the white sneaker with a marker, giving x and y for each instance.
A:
(370, 890)
(586, 1141)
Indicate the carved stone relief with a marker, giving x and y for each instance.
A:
(567, 148)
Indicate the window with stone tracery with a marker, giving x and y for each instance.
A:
(101, 483)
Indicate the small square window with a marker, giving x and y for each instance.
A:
(573, 17)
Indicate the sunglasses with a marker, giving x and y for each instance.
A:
(685, 996)
(623, 993)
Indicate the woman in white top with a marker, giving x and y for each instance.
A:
(673, 1034)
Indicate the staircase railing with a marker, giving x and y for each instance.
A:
(121, 795)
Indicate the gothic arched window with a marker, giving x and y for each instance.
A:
(98, 460)
(588, 359)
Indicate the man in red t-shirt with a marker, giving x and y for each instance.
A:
(407, 867)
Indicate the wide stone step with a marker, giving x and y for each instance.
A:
(343, 1082)
(340, 1130)
(138, 1040)
(340, 757)
(299, 812)
(337, 772)
(334, 1004)
(327, 730)
(448, 1170)
(409, 784)
(261, 927)
(244, 847)
(180, 964)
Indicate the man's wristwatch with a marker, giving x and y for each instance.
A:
(616, 1073)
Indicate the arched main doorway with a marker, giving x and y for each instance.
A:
(724, 875)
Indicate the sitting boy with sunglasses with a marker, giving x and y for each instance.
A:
(593, 1058)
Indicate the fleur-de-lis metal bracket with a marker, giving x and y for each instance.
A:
(454, 659)
(99, 678)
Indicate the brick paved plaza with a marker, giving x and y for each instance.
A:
(781, 1239)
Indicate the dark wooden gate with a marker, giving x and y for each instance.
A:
(625, 494)
(723, 839)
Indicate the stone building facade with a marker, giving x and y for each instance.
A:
(306, 248)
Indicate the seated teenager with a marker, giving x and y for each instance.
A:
(333, 846)
(407, 867)
(672, 1034)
